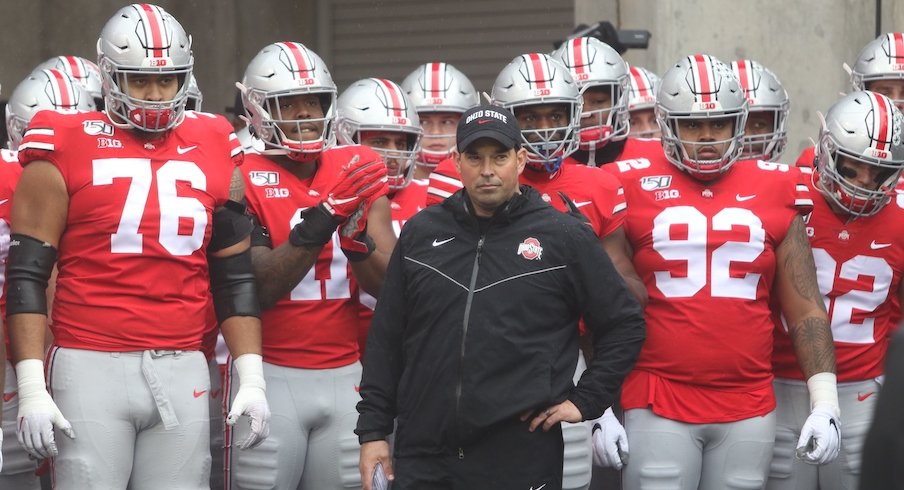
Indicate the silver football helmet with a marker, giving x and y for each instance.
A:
(195, 97)
(867, 128)
(43, 90)
(537, 78)
(439, 87)
(700, 87)
(881, 59)
(143, 39)
(642, 97)
(278, 73)
(83, 71)
(592, 64)
(376, 104)
(764, 94)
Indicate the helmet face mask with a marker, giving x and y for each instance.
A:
(140, 41)
(862, 131)
(290, 98)
(539, 80)
(765, 95)
(438, 90)
(597, 68)
(376, 105)
(46, 89)
(702, 88)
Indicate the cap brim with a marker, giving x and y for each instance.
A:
(505, 140)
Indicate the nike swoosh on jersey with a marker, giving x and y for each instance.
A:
(3, 201)
(199, 393)
(437, 242)
(741, 198)
(185, 150)
(580, 204)
(876, 246)
(864, 396)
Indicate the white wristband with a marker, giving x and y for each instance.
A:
(250, 368)
(824, 390)
(30, 377)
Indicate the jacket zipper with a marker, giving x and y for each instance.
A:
(464, 330)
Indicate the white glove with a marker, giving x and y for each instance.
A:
(251, 399)
(38, 414)
(610, 442)
(820, 438)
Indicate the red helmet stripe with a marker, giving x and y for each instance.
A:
(702, 70)
(536, 71)
(436, 70)
(62, 88)
(579, 62)
(393, 96)
(298, 57)
(882, 122)
(896, 45)
(153, 28)
(744, 75)
(641, 82)
(75, 67)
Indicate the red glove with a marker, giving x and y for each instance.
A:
(356, 184)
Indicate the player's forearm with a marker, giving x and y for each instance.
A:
(812, 340)
(370, 272)
(279, 270)
(26, 333)
(242, 335)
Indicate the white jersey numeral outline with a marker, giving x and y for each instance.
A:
(334, 287)
(693, 251)
(127, 239)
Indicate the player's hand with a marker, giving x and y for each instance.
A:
(820, 437)
(356, 184)
(610, 442)
(251, 400)
(358, 181)
(354, 241)
(38, 414)
(546, 419)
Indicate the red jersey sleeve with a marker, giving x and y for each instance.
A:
(444, 181)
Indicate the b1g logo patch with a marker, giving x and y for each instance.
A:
(530, 249)
(95, 128)
(261, 178)
(654, 182)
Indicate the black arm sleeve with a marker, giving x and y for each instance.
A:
(383, 358)
(233, 286)
(28, 269)
(882, 466)
(614, 318)
(231, 225)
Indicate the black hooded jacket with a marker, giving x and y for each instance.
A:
(477, 323)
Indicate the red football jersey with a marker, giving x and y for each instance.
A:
(859, 265)
(707, 256)
(133, 257)
(595, 193)
(315, 326)
(407, 202)
(9, 176)
(640, 148)
(807, 157)
(444, 181)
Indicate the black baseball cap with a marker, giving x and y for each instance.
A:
(488, 121)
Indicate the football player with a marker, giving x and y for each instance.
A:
(765, 135)
(440, 94)
(44, 89)
(138, 207)
(85, 72)
(712, 238)
(321, 216)
(642, 102)
(854, 232)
